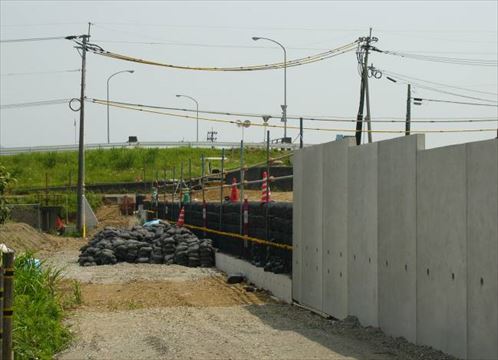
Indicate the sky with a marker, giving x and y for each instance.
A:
(217, 34)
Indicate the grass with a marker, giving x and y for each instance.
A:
(57, 199)
(118, 164)
(38, 331)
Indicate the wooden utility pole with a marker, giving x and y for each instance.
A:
(408, 110)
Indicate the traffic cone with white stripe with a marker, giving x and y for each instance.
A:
(181, 218)
(265, 192)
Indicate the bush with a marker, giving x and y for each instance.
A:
(38, 331)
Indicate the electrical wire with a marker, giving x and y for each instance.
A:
(408, 78)
(430, 88)
(41, 72)
(35, 103)
(455, 102)
(223, 46)
(289, 127)
(33, 39)
(296, 62)
(297, 117)
(441, 59)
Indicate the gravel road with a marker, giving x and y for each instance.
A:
(143, 311)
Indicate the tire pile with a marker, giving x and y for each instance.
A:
(160, 243)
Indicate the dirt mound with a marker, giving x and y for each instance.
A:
(22, 237)
(110, 215)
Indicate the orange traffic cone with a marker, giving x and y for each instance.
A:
(234, 194)
(265, 192)
(181, 218)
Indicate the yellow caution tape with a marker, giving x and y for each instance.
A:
(242, 237)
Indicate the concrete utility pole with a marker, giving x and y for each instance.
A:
(80, 221)
(364, 88)
(408, 110)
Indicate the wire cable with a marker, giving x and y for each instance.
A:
(296, 62)
(401, 76)
(441, 59)
(33, 39)
(290, 127)
(35, 103)
(297, 117)
(454, 102)
(41, 72)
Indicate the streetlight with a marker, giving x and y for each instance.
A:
(284, 106)
(197, 106)
(109, 78)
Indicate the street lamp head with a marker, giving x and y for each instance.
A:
(131, 71)
(255, 38)
(177, 95)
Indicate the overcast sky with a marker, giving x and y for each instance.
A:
(219, 34)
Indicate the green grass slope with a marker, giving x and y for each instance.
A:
(119, 164)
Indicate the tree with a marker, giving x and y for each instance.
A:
(5, 180)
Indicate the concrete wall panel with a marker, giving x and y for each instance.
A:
(482, 247)
(397, 233)
(297, 218)
(311, 225)
(335, 220)
(441, 249)
(362, 233)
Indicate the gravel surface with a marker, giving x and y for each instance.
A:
(145, 311)
(123, 272)
(249, 332)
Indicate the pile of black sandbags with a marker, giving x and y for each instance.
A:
(156, 243)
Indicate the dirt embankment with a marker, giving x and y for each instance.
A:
(22, 237)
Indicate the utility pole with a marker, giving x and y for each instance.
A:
(80, 221)
(408, 110)
(364, 86)
(300, 133)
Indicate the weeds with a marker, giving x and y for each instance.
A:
(38, 331)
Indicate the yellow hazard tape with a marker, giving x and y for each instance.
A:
(242, 237)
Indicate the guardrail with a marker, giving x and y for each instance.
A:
(146, 144)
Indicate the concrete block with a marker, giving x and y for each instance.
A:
(397, 234)
(335, 220)
(442, 249)
(362, 233)
(279, 285)
(482, 247)
(297, 218)
(311, 199)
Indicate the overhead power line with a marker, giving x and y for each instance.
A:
(35, 103)
(33, 39)
(454, 102)
(41, 72)
(289, 127)
(296, 62)
(441, 59)
(297, 117)
(410, 78)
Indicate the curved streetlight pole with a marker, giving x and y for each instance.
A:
(197, 107)
(109, 78)
(284, 107)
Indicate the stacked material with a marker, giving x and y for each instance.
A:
(157, 243)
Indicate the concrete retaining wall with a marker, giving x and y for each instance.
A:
(279, 285)
(412, 234)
